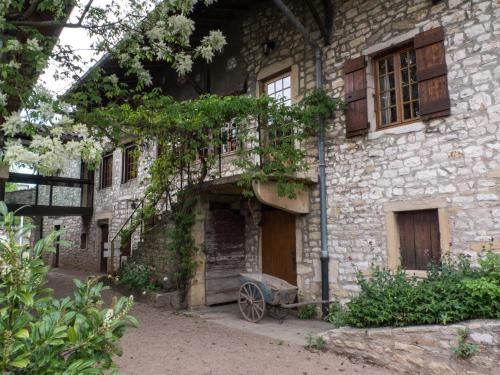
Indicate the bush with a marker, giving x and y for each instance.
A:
(136, 277)
(307, 312)
(453, 291)
(336, 315)
(43, 335)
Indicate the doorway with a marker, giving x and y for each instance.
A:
(279, 245)
(104, 242)
(55, 258)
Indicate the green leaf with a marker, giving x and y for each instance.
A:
(72, 335)
(20, 363)
(26, 298)
(22, 334)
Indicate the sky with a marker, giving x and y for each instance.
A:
(80, 41)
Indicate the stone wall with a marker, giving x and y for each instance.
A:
(455, 159)
(421, 349)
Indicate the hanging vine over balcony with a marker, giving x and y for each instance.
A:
(270, 145)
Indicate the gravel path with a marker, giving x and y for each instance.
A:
(167, 343)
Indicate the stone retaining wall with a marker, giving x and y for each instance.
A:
(421, 349)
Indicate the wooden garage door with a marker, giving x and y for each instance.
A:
(225, 254)
(278, 245)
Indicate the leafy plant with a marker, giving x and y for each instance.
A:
(453, 291)
(43, 335)
(307, 312)
(136, 277)
(464, 349)
(315, 342)
(336, 315)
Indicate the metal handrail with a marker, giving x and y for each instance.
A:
(129, 219)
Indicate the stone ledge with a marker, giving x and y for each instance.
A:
(421, 349)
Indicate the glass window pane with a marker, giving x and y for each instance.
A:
(407, 111)
(383, 83)
(411, 55)
(403, 59)
(384, 100)
(406, 93)
(391, 81)
(404, 76)
(287, 93)
(390, 64)
(279, 84)
(286, 82)
(393, 97)
(394, 114)
(384, 116)
(381, 67)
(413, 74)
(416, 109)
(270, 89)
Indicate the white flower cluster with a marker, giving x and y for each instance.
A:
(56, 140)
(213, 42)
(108, 318)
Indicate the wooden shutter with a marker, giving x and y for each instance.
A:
(432, 74)
(355, 96)
(419, 238)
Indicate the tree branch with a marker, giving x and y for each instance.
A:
(85, 11)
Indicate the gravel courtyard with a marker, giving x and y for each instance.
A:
(168, 343)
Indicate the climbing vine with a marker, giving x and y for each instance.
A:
(272, 140)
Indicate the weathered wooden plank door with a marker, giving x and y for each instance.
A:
(278, 245)
(104, 240)
(419, 238)
(225, 255)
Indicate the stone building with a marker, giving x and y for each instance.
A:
(412, 166)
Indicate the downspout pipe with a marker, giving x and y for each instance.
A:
(325, 257)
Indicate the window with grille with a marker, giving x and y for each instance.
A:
(396, 88)
(130, 162)
(280, 88)
(107, 171)
(228, 138)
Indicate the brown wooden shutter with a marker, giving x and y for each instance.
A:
(432, 74)
(355, 96)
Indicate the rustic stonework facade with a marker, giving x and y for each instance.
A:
(451, 164)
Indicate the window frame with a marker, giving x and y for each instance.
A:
(395, 52)
(263, 83)
(109, 159)
(128, 156)
(392, 233)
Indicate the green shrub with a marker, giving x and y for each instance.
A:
(307, 312)
(453, 291)
(43, 335)
(136, 277)
(337, 315)
(464, 349)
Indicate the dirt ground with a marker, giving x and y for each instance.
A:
(168, 343)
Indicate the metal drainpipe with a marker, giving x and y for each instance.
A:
(325, 257)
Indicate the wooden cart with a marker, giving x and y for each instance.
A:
(260, 292)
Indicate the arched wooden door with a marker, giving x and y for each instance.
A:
(279, 245)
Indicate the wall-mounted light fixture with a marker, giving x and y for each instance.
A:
(268, 46)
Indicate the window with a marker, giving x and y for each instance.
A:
(228, 137)
(107, 171)
(419, 238)
(396, 88)
(130, 162)
(83, 240)
(279, 88)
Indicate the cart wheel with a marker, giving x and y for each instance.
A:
(279, 313)
(251, 302)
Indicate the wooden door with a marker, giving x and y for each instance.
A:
(104, 240)
(278, 245)
(55, 257)
(225, 254)
(419, 238)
